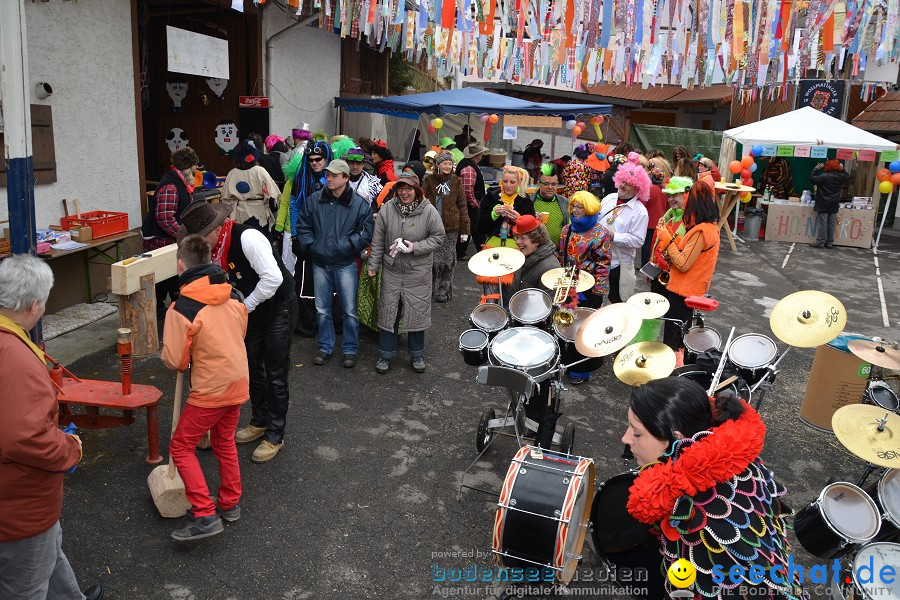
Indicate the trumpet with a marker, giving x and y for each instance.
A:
(563, 288)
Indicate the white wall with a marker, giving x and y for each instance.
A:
(83, 50)
(305, 74)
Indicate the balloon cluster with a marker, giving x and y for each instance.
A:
(578, 127)
(889, 177)
(745, 167)
(435, 125)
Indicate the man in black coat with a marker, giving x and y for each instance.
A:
(829, 180)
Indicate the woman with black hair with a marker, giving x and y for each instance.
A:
(383, 160)
(691, 257)
(706, 492)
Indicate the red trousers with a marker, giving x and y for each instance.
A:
(221, 423)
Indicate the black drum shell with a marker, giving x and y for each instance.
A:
(704, 378)
(817, 537)
(474, 352)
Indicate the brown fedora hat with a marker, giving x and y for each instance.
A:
(201, 217)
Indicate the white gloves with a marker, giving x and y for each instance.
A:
(464, 238)
(404, 246)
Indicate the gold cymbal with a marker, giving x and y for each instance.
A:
(808, 319)
(651, 304)
(644, 361)
(496, 262)
(608, 330)
(878, 353)
(551, 279)
(856, 427)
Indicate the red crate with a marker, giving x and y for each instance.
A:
(101, 222)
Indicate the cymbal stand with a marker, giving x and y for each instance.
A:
(764, 384)
(870, 468)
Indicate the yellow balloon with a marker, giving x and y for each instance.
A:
(745, 197)
(886, 187)
(437, 123)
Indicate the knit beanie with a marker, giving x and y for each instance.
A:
(442, 156)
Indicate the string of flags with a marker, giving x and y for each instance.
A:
(746, 43)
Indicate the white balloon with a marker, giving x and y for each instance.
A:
(570, 125)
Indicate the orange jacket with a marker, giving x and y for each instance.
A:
(693, 259)
(205, 329)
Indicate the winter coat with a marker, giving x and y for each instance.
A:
(486, 224)
(591, 251)
(536, 264)
(828, 189)
(452, 205)
(333, 231)
(406, 276)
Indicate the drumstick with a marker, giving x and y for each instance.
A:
(726, 383)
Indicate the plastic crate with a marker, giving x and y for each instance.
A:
(101, 222)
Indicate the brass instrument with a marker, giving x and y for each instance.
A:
(567, 280)
(663, 278)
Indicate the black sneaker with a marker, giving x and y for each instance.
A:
(322, 358)
(349, 361)
(95, 592)
(197, 529)
(232, 514)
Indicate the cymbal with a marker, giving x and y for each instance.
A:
(551, 279)
(856, 427)
(808, 319)
(644, 361)
(877, 353)
(496, 262)
(608, 330)
(651, 304)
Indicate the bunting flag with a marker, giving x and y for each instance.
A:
(747, 43)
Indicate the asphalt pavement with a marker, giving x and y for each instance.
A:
(362, 502)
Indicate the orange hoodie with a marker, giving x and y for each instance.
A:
(205, 329)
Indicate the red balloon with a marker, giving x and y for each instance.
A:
(747, 182)
(599, 120)
(431, 128)
(735, 167)
(746, 174)
(747, 161)
(883, 175)
(895, 178)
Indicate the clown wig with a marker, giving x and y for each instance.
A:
(634, 175)
(340, 147)
(583, 151)
(586, 199)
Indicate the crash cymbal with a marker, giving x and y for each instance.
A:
(651, 304)
(608, 330)
(551, 279)
(496, 262)
(877, 353)
(644, 361)
(857, 429)
(808, 319)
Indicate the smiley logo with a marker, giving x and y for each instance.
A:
(682, 573)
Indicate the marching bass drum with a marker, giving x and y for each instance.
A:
(542, 515)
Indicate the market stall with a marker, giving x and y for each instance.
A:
(812, 137)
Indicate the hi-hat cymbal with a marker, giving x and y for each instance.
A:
(877, 353)
(808, 319)
(551, 279)
(857, 429)
(644, 361)
(496, 262)
(651, 304)
(608, 330)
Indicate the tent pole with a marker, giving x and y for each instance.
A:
(887, 206)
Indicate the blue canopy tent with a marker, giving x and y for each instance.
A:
(461, 101)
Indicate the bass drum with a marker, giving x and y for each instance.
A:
(704, 378)
(623, 542)
(542, 515)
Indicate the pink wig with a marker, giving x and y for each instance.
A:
(635, 175)
(272, 140)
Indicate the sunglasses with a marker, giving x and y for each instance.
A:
(354, 158)
(428, 161)
(316, 159)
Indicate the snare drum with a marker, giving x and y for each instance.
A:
(490, 318)
(700, 339)
(473, 345)
(531, 306)
(880, 394)
(867, 566)
(886, 494)
(527, 349)
(704, 378)
(843, 517)
(624, 544)
(565, 335)
(751, 353)
(542, 515)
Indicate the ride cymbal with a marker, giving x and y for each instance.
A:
(870, 433)
(644, 361)
(496, 262)
(808, 319)
(877, 353)
(651, 304)
(554, 278)
(608, 330)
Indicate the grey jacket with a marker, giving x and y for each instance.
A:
(406, 276)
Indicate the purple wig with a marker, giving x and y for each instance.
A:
(583, 151)
(636, 176)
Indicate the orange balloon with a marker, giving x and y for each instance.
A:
(577, 130)
(735, 167)
(600, 120)
(747, 161)
(494, 119)
(883, 175)
(895, 178)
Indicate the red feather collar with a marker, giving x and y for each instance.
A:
(708, 460)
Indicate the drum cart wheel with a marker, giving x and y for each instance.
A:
(567, 439)
(485, 434)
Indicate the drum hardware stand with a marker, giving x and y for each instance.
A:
(763, 384)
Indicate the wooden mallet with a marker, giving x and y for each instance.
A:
(166, 486)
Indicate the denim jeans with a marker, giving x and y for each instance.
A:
(37, 568)
(825, 228)
(344, 282)
(387, 340)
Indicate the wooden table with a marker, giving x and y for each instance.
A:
(109, 248)
(727, 197)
